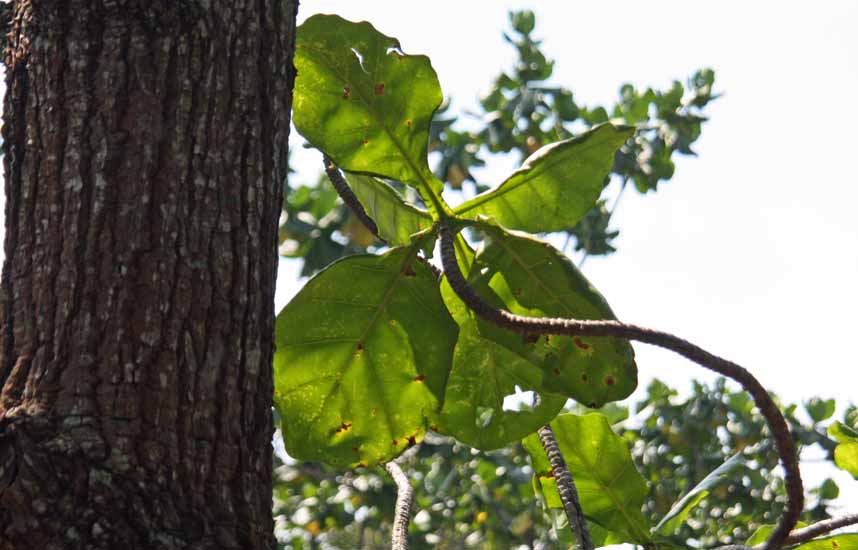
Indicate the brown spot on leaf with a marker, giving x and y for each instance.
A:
(355, 449)
(419, 378)
(518, 291)
(395, 442)
(366, 141)
(433, 427)
(584, 377)
(360, 346)
(556, 370)
(530, 338)
(379, 88)
(344, 427)
(581, 344)
(412, 441)
(409, 271)
(610, 380)
(408, 123)
(347, 92)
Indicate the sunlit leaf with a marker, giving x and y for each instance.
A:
(846, 452)
(362, 354)
(484, 373)
(363, 102)
(679, 511)
(396, 219)
(532, 278)
(555, 186)
(609, 486)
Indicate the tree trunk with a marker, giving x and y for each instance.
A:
(145, 150)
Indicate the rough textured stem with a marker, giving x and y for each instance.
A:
(404, 502)
(565, 488)
(805, 534)
(345, 192)
(572, 327)
(145, 153)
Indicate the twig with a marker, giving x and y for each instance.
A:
(345, 192)
(820, 528)
(573, 327)
(404, 501)
(566, 488)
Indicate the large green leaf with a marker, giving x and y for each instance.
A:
(609, 486)
(363, 102)
(846, 452)
(362, 356)
(483, 374)
(679, 511)
(555, 186)
(396, 219)
(532, 278)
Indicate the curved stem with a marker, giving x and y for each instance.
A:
(573, 327)
(805, 534)
(404, 501)
(566, 488)
(345, 192)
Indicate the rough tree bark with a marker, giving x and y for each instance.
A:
(145, 149)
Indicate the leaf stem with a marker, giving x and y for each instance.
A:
(345, 192)
(805, 534)
(404, 502)
(566, 488)
(784, 443)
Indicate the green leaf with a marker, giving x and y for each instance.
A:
(534, 279)
(679, 511)
(846, 453)
(483, 374)
(820, 409)
(609, 486)
(362, 356)
(396, 219)
(363, 102)
(555, 186)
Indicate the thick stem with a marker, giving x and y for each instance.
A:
(404, 502)
(566, 488)
(573, 327)
(349, 198)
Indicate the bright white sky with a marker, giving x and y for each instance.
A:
(752, 249)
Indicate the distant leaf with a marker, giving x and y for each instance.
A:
(820, 409)
(484, 373)
(555, 186)
(609, 486)
(363, 102)
(362, 354)
(846, 453)
(532, 278)
(396, 219)
(679, 512)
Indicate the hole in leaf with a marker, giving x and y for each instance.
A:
(360, 60)
(514, 401)
(395, 50)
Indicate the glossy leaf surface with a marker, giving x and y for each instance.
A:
(362, 101)
(532, 278)
(610, 488)
(483, 374)
(555, 186)
(396, 219)
(362, 354)
(679, 511)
